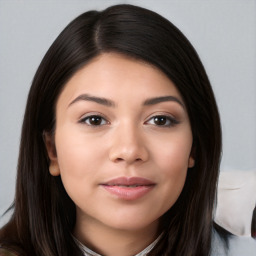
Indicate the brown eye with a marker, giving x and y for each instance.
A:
(162, 120)
(94, 120)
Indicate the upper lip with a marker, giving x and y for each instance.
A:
(129, 181)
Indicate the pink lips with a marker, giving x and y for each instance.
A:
(129, 188)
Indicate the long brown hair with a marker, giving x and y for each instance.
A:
(43, 214)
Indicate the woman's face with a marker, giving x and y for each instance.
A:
(123, 142)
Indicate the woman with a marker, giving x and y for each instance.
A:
(120, 146)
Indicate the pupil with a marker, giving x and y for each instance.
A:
(160, 120)
(95, 120)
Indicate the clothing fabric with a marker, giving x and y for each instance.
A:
(88, 252)
(238, 246)
(236, 201)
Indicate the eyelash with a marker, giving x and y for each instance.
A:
(167, 118)
(84, 119)
(171, 121)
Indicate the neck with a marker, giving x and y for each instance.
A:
(115, 242)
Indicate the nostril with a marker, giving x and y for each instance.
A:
(120, 159)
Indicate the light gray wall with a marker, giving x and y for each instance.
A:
(222, 31)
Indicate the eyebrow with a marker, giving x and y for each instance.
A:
(157, 100)
(110, 103)
(99, 100)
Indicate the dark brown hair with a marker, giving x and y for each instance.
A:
(39, 225)
(253, 225)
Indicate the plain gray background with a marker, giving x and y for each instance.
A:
(222, 31)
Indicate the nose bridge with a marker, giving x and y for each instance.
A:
(128, 143)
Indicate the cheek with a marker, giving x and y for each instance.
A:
(173, 172)
(76, 153)
(173, 155)
(78, 159)
(172, 161)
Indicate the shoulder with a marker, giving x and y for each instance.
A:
(5, 252)
(236, 246)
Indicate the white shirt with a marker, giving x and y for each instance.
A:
(88, 252)
(238, 246)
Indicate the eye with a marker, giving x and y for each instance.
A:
(94, 120)
(162, 120)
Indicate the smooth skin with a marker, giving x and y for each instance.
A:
(120, 117)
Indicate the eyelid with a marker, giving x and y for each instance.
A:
(170, 117)
(91, 114)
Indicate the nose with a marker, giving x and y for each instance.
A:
(128, 145)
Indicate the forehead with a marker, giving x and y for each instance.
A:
(115, 76)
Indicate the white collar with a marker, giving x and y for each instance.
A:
(88, 252)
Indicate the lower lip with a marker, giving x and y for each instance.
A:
(128, 193)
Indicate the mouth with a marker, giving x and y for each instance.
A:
(128, 188)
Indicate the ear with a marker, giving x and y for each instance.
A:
(191, 160)
(52, 154)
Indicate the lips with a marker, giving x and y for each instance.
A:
(128, 188)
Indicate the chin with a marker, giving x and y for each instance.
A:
(134, 223)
